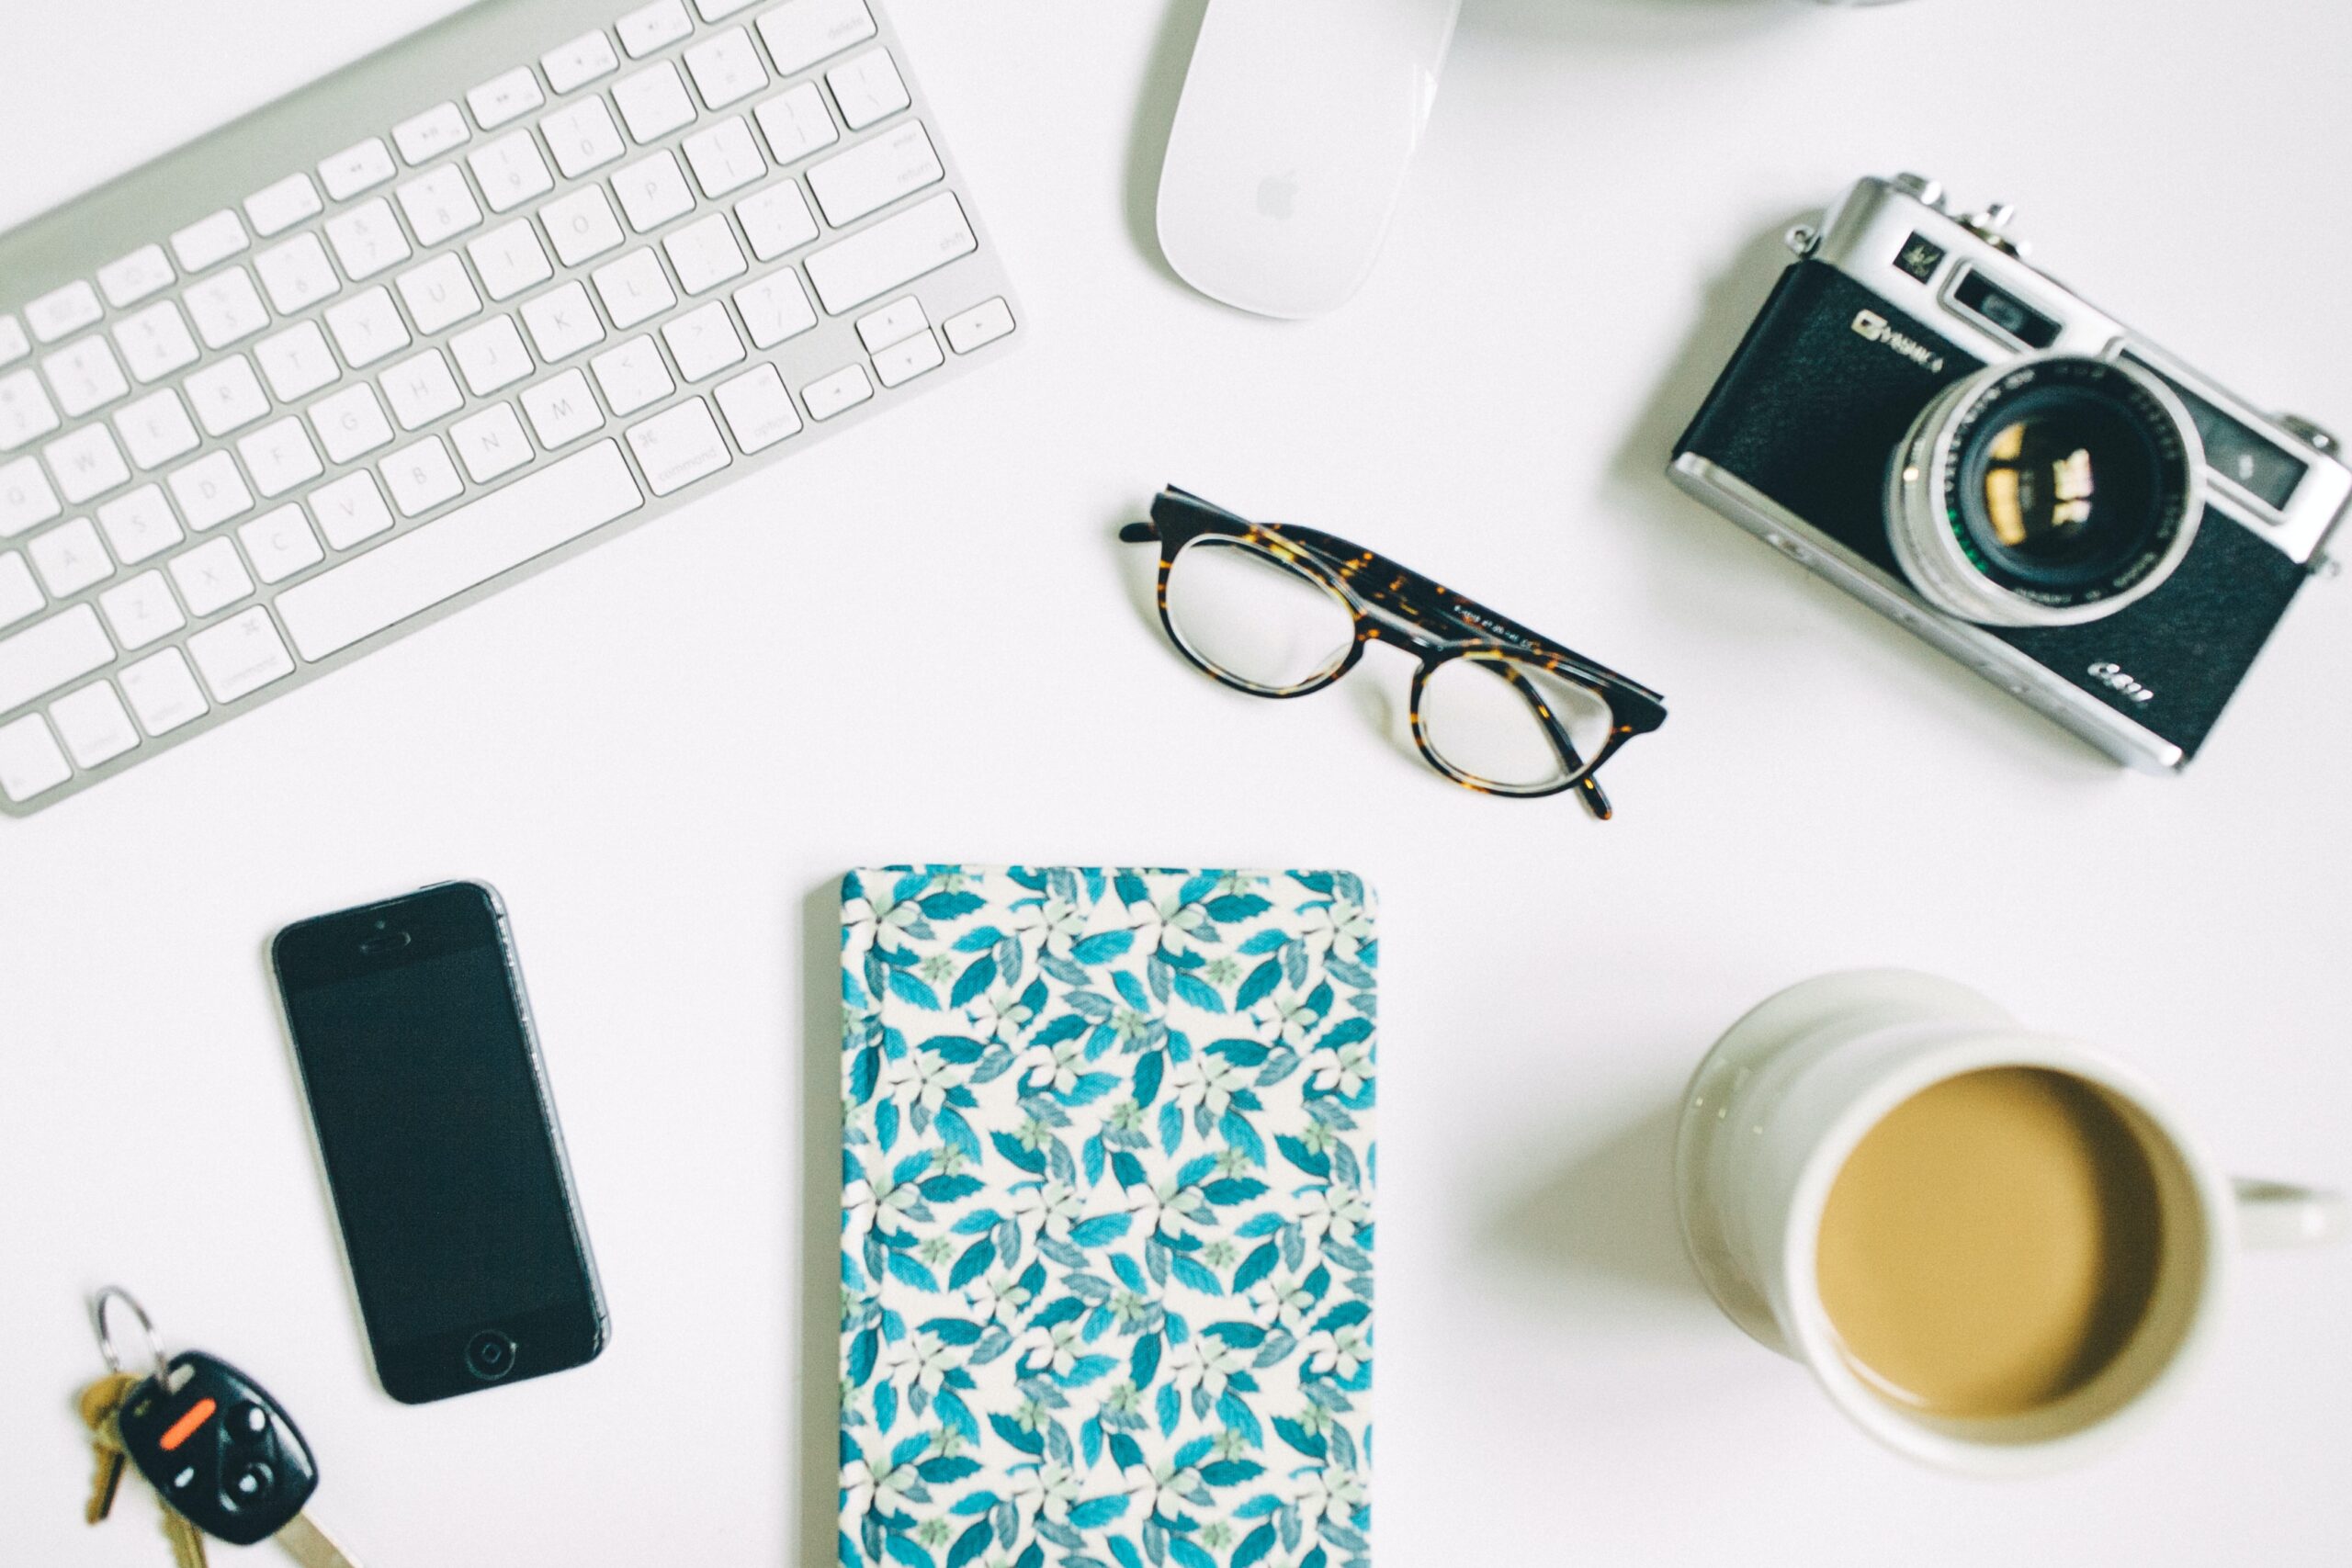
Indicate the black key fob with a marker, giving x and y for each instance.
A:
(218, 1449)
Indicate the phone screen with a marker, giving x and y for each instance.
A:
(439, 1145)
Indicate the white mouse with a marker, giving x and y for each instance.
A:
(1298, 122)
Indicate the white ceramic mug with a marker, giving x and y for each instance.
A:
(1787, 1093)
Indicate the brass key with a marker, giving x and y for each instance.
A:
(99, 1405)
(187, 1542)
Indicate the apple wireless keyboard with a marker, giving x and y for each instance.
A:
(434, 322)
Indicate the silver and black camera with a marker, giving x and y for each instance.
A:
(1969, 447)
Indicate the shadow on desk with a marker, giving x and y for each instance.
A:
(817, 1395)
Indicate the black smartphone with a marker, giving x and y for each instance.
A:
(414, 1041)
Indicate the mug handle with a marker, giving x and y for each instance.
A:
(2277, 1213)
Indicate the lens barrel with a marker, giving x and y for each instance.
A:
(2046, 491)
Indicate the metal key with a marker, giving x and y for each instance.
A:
(187, 1542)
(98, 1404)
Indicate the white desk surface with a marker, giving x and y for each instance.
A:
(920, 641)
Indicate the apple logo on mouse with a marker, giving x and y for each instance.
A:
(1278, 195)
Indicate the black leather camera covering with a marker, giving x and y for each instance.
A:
(1810, 411)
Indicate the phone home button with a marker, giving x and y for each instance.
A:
(489, 1355)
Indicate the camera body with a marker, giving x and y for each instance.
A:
(1914, 416)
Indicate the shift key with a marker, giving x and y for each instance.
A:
(872, 262)
(64, 648)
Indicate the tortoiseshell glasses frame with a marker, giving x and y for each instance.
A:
(1393, 604)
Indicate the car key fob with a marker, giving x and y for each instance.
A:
(218, 1449)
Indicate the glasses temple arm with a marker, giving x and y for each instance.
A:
(1596, 799)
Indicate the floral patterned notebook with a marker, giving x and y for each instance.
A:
(1106, 1233)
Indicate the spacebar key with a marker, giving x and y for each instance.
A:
(872, 262)
(451, 554)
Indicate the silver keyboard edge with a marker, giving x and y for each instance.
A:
(366, 98)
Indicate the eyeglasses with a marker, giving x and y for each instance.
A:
(1276, 610)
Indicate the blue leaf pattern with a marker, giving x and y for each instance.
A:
(1106, 1230)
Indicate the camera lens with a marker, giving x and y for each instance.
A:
(2049, 490)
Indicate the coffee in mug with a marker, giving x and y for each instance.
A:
(1993, 1247)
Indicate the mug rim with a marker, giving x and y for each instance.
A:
(1808, 1322)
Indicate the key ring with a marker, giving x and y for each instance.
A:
(106, 1339)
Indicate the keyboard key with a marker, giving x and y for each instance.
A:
(276, 209)
(19, 596)
(211, 578)
(775, 221)
(899, 319)
(581, 225)
(903, 362)
(634, 289)
(726, 68)
(85, 376)
(654, 102)
(439, 206)
(350, 510)
(211, 491)
(562, 323)
(718, 10)
(491, 442)
(758, 410)
(356, 168)
(873, 175)
(799, 33)
(796, 123)
(895, 250)
(703, 342)
(705, 254)
(30, 764)
(279, 457)
(581, 61)
(92, 725)
(63, 313)
(25, 410)
(438, 295)
(421, 477)
(652, 192)
(509, 260)
(366, 328)
(143, 272)
(209, 241)
(69, 559)
(240, 655)
(14, 345)
(280, 544)
(297, 362)
(139, 526)
(649, 28)
(350, 424)
(422, 389)
(507, 96)
(163, 693)
(724, 158)
(156, 429)
(844, 389)
(678, 445)
(551, 506)
(562, 410)
(226, 307)
(583, 137)
(492, 355)
(25, 497)
(633, 375)
(47, 654)
(774, 309)
(367, 239)
(141, 610)
(431, 133)
(227, 396)
(155, 342)
(86, 463)
(510, 171)
(297, 273)
(868, 88)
